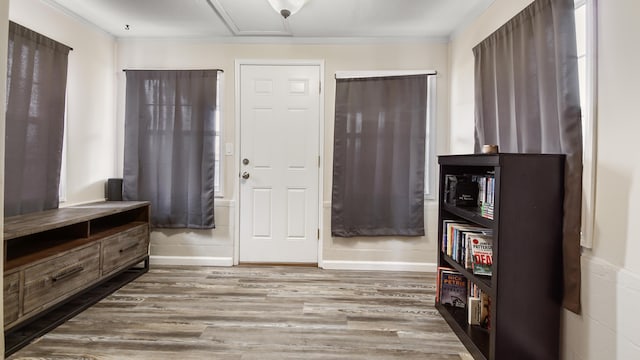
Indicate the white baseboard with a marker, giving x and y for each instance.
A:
(64, 204)
(190, 260)
(378, 265)
(326, 264)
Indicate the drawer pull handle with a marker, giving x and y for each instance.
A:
(66, 273)
(130, 247)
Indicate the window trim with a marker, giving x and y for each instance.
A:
(589, 115)
(219, 192)
(430, 156)
(380, 73)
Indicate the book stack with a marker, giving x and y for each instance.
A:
(479, 307)
(454, 291)
(486, 192)
(458, 240)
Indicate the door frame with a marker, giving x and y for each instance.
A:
(236, 166)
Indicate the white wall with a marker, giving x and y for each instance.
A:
(609, 325)
(90, 96)
(175, 54)
(95, 121)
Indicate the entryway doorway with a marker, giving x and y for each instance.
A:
(279, 171)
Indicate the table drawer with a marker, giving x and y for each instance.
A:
(11, 297)
(60, 277)
(121, 249)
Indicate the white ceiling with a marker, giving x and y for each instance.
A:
(235, 19)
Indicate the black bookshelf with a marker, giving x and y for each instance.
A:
(526, 282)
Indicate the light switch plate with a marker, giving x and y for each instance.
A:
(228, 149)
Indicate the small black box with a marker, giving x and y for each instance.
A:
(114, 190)
(461, 190)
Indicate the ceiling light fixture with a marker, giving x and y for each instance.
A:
(287, 8)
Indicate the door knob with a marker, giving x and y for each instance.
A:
(245, 175)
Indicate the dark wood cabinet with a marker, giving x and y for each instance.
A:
(525, 287)
(59, 262)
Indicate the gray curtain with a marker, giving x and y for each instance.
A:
(379, 156)
(36, 89)
(169, 154)
(527, 101)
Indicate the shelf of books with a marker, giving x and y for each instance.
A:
(499, 232)
(464, 282)
(466, 308)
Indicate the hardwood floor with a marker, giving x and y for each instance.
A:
(259, 313)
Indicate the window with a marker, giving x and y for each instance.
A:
(171, 131)
(36, 89)
(381, 153)
(430, 180)
(585, 13)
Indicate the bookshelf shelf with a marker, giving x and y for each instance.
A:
(525, 288)
(475, 339)
(469, 214)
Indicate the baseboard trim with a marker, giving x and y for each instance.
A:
(326, 264)
(190, 260)
(64, 204)
(378, 265)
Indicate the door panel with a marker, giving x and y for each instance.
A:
(279, 131)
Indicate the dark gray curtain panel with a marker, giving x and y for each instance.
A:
(527, 101)
(36, 89)
(169, 154)
(379, 156)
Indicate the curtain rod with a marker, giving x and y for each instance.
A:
(381, 73)
(125, 70)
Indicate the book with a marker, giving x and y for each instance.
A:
(482, 253)
(485, 311)
(473, 290)
(438, 284)
(464, 256)
(451, 231)
(474, 311)
(453, 288)
(482, 190)
(468, 256)
(446, 235)
(450, 182)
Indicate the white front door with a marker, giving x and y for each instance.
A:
(279, 157)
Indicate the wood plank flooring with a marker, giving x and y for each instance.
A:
(261, 313)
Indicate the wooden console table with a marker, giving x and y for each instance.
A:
(55, 260)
